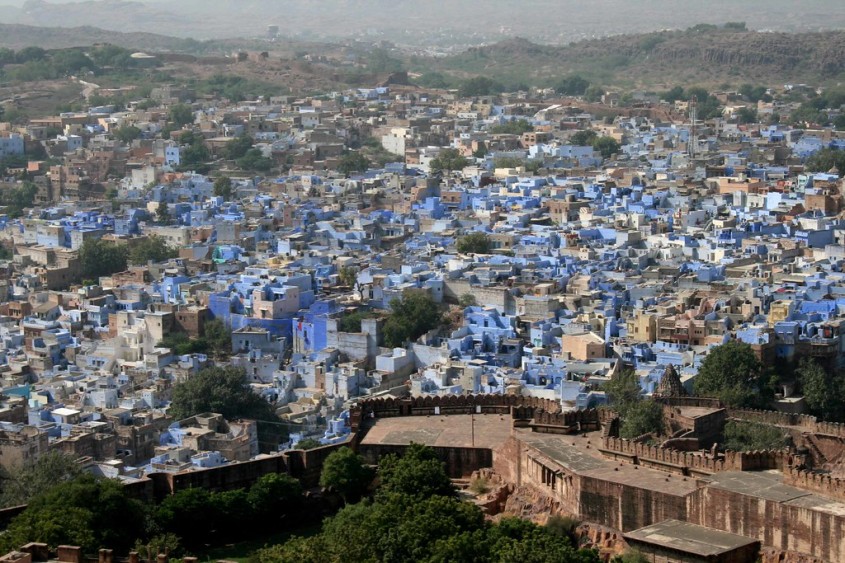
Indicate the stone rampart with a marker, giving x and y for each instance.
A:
(804, 422)
(694, 463)
(821, 483)
(516, 405)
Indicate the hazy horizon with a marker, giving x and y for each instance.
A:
(441, 22)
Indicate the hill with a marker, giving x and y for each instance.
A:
(17, 36)
(703, 55)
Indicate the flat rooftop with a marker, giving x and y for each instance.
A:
(768, 485)
(578, 453)
(581, 454)
(695, 412)
(490, 430)
(689, 538)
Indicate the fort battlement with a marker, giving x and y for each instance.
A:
(803, 422)
(515, 405)
(809, 480)
(694, 463)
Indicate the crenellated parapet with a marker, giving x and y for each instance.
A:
(803, 422)
(517, 406)
(822, 483)
(696, 463)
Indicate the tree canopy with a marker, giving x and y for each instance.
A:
(23, 483)
(224, 390)
(18, 198)
(416, 516)
(223, 187)
(238, 147)
(474, 243)
(181, 115)
(827, 159)
(351, 162)
(606, 146)
(584, 138)
(731, 373)
(824, 390)
(151, 249)
(572, 85)
(84, 512)
(448, 160)
(345, 472)
(514, 127)
(637, 415)
(102, 258)
(411, 316)
(418, 472)
(255, 161)
(744, 436)
(480, 86)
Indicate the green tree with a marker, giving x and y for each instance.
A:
(594, 93)
(731, 373)
(194, 153)
(102, 258)
(151, 248)
(352, 322)
(480, 86)
(351, 162)
(345, 472)
(743, 436)
(274, 497)
(411, 316)
(223, 390)
(189, 514)
(296, 550)
(513, 127)
(180, 344)
(754, 93)
(223, 187)
(508, 162)
(168, 544)
(417, 473)
(254, 160)
(23, 483)
(642, 417)
(584, 138)
(631, 556)
(448, 160)
(638, 416)
(474, 243)
(348, 276)
(824, 390)
(163, 215)
(416, 516)
(81, 512)
(746, 115)
(572, 85)
(219, 338)
(623, 390)
(607, 146)
(127, 133)
(181, 115)
(838, 123)
(467, 300)
(19, 198)
(308, 444)
(827, 159)
(238, 147)
(807, 114)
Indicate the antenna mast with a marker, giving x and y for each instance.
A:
(693, 110)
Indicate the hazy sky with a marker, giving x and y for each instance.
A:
(457, 21)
